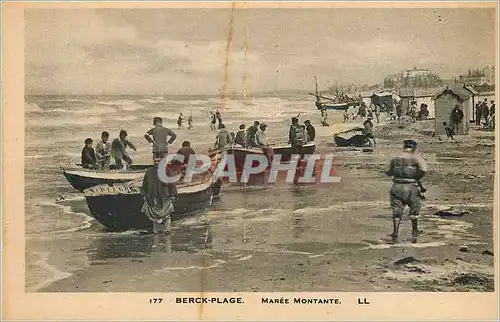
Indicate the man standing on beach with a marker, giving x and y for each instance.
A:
(406, 170)
(296, 137)
(456, 118)
(479, 113)
(160, 137)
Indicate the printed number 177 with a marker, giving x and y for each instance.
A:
(155, 301)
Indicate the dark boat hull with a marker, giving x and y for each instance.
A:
(358, 141)
(286, 151)
(122, 210)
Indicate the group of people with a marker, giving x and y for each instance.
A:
(214, 119)
(100, 157)
(180, 121)
(483, 111)
(255, 135)
(351, 113)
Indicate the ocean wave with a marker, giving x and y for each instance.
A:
(32, 107)
(127, 105)
(55, 273)
(63, 122)
(152, 100)
(87, 110)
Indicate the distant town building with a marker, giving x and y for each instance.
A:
(419, 78)
(479, 77)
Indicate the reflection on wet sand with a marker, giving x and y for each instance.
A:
(183, 238)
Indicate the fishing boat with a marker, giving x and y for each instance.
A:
(286, 151)
(338, 103)
(82, 178)
(353, 138)
(118, 206)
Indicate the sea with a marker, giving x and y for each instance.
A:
(62, 238)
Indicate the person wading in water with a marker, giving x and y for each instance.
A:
(406, 170)
(159, 197)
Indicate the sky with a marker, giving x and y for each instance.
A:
(183, 51)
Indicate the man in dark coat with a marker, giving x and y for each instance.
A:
(311, 131)
(456, 118)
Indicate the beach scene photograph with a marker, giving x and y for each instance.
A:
(390, 112)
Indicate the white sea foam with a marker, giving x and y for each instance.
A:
(51, 269)
(217, 263)
(127, 105)
(32, 107)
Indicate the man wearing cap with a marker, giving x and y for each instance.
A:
(406, 170)
(296, 137)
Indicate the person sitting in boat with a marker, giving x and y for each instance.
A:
(261, 141)
(223, 138)
(160, 137)
(118, 149)
(159, 197)
(89, 159)
(241, 137)
(251, 131)
(311, 131)
(213, 120)
(102, 151)
(186, 150)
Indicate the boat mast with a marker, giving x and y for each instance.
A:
(245, 50)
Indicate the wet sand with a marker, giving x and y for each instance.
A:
(318, 238)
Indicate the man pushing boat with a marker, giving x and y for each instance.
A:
(160, 137)
(159, 197)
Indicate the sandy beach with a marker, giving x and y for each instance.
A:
(316, 238)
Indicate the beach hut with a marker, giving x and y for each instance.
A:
(407, 95)
(384, 98)
(473, 99)
(445, 101)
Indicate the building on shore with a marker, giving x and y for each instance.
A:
(479, 77)
(445, 101)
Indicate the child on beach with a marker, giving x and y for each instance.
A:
(449, 131)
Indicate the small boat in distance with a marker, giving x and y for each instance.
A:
(339, 102)
(118, 206)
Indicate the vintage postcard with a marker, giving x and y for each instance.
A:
(250, 161)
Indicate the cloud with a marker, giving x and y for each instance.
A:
(83, 51)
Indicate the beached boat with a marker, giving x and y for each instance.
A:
(286, 150)
(81, 178)
(352, 138)
(118, 206)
